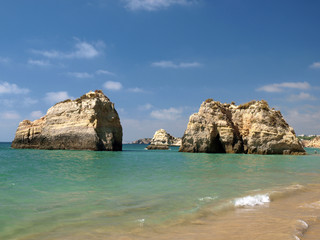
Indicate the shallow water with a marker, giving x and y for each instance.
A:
(140, 194)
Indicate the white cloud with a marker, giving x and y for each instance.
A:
(111, 85)
(166, 114)
(9, 88)
(136, 90)
(304, 121)
(104, 72)
(301, 97)
(36, 114)
(170, 64)
(152, 5)
(55, 97)
(40, 63)
(11, 115)
(279, 87)
(145, 107)
(80, 74)
(82, 50)
(315, 65)
(4, 60)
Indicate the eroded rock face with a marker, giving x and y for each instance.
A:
(162, 140)
(87, 123)
(313, 143)
(251, 128)
(142, 141)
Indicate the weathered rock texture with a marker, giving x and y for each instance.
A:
(89, 122)
(248, 128)
(313, 143)
(162, 140)
(142, 141)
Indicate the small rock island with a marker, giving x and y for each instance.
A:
(162, 140)
(252, 128)
(88, 123)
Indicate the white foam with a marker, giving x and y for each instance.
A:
(207, 199)
(304, 225)
(251, 201)
(141, 222)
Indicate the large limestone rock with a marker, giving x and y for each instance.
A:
(248, 128)
(162, 140)
(89, 122)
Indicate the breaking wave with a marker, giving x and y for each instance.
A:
(251, 201)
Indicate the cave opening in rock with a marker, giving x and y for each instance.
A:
(216, 145)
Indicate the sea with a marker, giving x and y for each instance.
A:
(140, 194)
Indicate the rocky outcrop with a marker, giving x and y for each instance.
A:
(162, 140)
(313, 143)
(252, 128)
(89, 122)
(142, 141)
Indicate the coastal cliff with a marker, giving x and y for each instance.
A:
(87, 123)
(252, 128)
(142, 141)
(312, 143)
(162, 140)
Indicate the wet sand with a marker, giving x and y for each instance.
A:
(292, 213)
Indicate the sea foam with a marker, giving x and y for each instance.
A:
(251, 201)
(207, 199)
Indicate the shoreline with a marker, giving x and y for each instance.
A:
(290, 213)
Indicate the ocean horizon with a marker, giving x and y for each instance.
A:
(156, 194)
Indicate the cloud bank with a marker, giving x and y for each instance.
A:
(170, 64)
(111, 85)
(55, 97)
(315, 65)
(40, 63)
(280, 87)
(153, 5)
(9, 88)
(166, 114)
(82, 50)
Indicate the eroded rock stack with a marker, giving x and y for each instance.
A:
(162, 140)
(252, 128)
(87, 123)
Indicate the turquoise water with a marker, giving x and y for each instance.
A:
(52, 193)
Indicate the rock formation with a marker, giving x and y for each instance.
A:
(89, 122)
(162, 140)
(312, 143)
(142, 141)
(251, 128)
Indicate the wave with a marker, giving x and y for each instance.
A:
(207, 199)
(264, 198)
(300, 229)
(251, 201)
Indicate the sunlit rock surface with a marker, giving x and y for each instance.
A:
(87, 123)
(252, 128)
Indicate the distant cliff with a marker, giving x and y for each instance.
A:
(252, 128)
(162, 140)
(89, 122)
(312, 143)
(142, 141)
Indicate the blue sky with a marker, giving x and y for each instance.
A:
(158, 60)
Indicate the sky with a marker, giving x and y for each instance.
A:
(158, 60)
